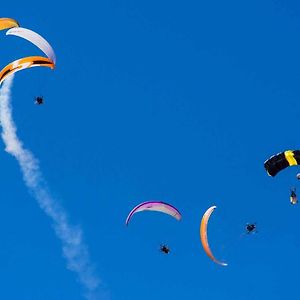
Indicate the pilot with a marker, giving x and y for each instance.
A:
(165, 249)
(293, 197)
(39, 100)
(251, 228)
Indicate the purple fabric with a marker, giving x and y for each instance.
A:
(155, 206)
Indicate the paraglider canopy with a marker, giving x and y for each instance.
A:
(155, 206)
(203, 235)
(282, 160)
(25, 63)
(35, 39)
(6, 23)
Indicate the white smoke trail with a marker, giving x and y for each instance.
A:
(74, 249)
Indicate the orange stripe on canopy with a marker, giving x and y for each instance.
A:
(25, 63)
(6, 23)
(203, 235)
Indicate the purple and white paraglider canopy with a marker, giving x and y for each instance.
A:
(155, 206)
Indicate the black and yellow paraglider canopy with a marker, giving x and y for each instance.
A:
(282, 160)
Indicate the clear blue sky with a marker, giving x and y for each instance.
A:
(180, 101)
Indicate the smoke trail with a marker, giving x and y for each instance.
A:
(74, 249)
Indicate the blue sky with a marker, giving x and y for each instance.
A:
(169, 100)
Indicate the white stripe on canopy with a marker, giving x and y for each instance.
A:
(35, 39)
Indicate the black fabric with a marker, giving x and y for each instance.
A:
(277, 163)
(7, 71)
(41, 62)
(297, 156)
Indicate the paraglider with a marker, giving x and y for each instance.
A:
(31, 61)
(282, 160)
(6, 23)
(203, 236)
(250, 228)
(293, 196)
(24, 63)
(155, 206)
(35, 39)
(39, 100)
(164, 249)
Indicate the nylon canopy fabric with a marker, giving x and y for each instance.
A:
(24, 63)
(35, 39)
(282, 160)
(6, 23)
(158, 206)
(203, 235)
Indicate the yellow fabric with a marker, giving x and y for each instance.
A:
(6, 23)
(289, 155)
